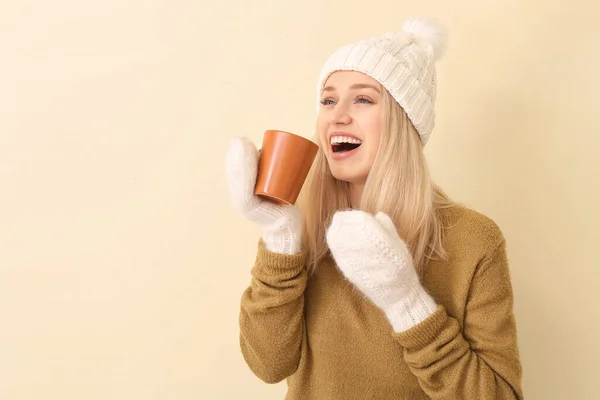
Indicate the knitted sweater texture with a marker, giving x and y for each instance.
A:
(330, 342)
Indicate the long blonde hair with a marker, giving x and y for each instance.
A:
(399, 184)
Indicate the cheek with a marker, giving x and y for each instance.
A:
(322, 130)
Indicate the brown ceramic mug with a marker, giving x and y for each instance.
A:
(284, 162)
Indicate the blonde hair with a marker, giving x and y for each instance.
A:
(399, 184)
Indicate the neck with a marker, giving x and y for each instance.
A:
(356, 191)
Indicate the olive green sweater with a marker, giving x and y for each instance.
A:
(331, 343)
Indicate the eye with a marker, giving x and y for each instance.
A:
(364, 100)
(327, 102)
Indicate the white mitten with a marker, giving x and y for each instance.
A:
(281, 225)
(371, 254)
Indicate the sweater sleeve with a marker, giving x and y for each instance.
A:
(271, 316)
(481, 361)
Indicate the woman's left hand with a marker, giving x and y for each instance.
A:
(371, 255)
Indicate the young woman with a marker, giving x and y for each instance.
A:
(376, 286)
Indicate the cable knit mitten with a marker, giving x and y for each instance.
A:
(281, 225)
(371, 255)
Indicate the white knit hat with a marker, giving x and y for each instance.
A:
(403, 62)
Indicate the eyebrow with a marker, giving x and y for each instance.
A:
(354, 86)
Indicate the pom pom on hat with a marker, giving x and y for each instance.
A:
(428, 31)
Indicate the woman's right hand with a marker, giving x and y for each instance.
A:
(281, 225)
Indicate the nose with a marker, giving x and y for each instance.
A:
(340, 115)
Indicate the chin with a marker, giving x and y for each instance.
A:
(352, 170)
(348, 176)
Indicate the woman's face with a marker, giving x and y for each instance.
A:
(349, 124)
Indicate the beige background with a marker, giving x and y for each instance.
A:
(121, 262)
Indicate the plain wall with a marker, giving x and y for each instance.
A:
(121, 261)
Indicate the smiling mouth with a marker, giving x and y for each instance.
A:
(339, 148)
(343, 144)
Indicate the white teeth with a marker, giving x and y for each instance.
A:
(344, 139)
